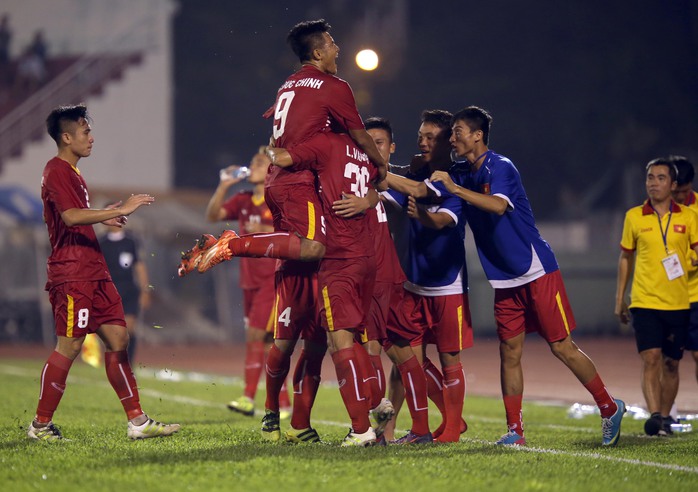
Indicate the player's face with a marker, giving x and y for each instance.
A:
(382, 140)
(681, 192)
(328, 54)
(258, 168)
(79, 138)
(428, 139)
(659, 184)
(463, 139)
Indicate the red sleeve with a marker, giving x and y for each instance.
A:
(342, 106)
(311, 154)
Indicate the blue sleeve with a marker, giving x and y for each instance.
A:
(397, 198)
(505, 179)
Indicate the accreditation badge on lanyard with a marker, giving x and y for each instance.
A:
(672, 265)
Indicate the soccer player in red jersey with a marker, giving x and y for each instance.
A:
(347, 271)
(81, 291)
(256, 275)
(387, 325)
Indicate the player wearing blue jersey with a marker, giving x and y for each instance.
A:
(529, 292)
(436, 291)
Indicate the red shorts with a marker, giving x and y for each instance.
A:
(258, 305)
(444, 320)
(539, 306)
(80, 308)
(295, 311)
(376, 321)
(345, 288)
(399, 327)
(296, 209)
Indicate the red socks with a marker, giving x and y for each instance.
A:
(454, 394)
(415, 384)
(306, 381)
(123, 381)
(601, 396)
(512, 406)
(370, 378)
(434, 385)
(53, 378)
(351, 388)
(377, 364)
(254, 363)
(277, 367)
(282, 245)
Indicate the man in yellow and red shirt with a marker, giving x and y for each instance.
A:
(657, 237)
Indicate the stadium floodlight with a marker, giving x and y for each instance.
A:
(367, 60)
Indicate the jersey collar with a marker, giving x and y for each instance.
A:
(648, 210)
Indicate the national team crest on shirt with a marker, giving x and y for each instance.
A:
(485, 189)
(680, 228)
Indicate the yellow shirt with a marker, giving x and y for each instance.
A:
(692, 204)
(651, 287)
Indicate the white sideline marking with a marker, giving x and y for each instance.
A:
(18, 371)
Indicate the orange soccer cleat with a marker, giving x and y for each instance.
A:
(191, 258)
(218, 252)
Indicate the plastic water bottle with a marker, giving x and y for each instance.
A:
(239, 173)
(578, 411)
(681, 426)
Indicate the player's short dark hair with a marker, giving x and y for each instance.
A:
(664, 161)
(306, 36)
(381, 124)
(476, 119)
(57, 119)
(440, 118)
(685, 171)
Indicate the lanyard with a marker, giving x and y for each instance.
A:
(664, 232)
(481, 156)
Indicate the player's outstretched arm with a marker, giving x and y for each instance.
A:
(89, 216)
(407, 186)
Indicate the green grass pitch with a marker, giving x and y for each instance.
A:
(218, 450)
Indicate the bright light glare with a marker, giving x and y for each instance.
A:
(367, 60)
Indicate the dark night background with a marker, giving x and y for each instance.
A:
(580, 91)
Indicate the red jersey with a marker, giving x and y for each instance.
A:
(309, 102)
(341, 168)
(243, 207)
(75, 252)
(388, 267)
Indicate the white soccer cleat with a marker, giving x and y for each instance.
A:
(151, 428)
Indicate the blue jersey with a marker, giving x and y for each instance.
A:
(511, 249)
(436, 258)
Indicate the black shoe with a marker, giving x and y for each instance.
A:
(666, 424)
(654, 424)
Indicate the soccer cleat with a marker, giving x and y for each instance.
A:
(271, 430)
(412, 438)
(218, 252)
(653, 425)
(91, 352)
(382, 414)
(364, 440)
(243, 405)
(304, 435)
(151, 428)
(47, 433)
(512, 438)
(666, 425)
(610, 427)
(191, 258)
